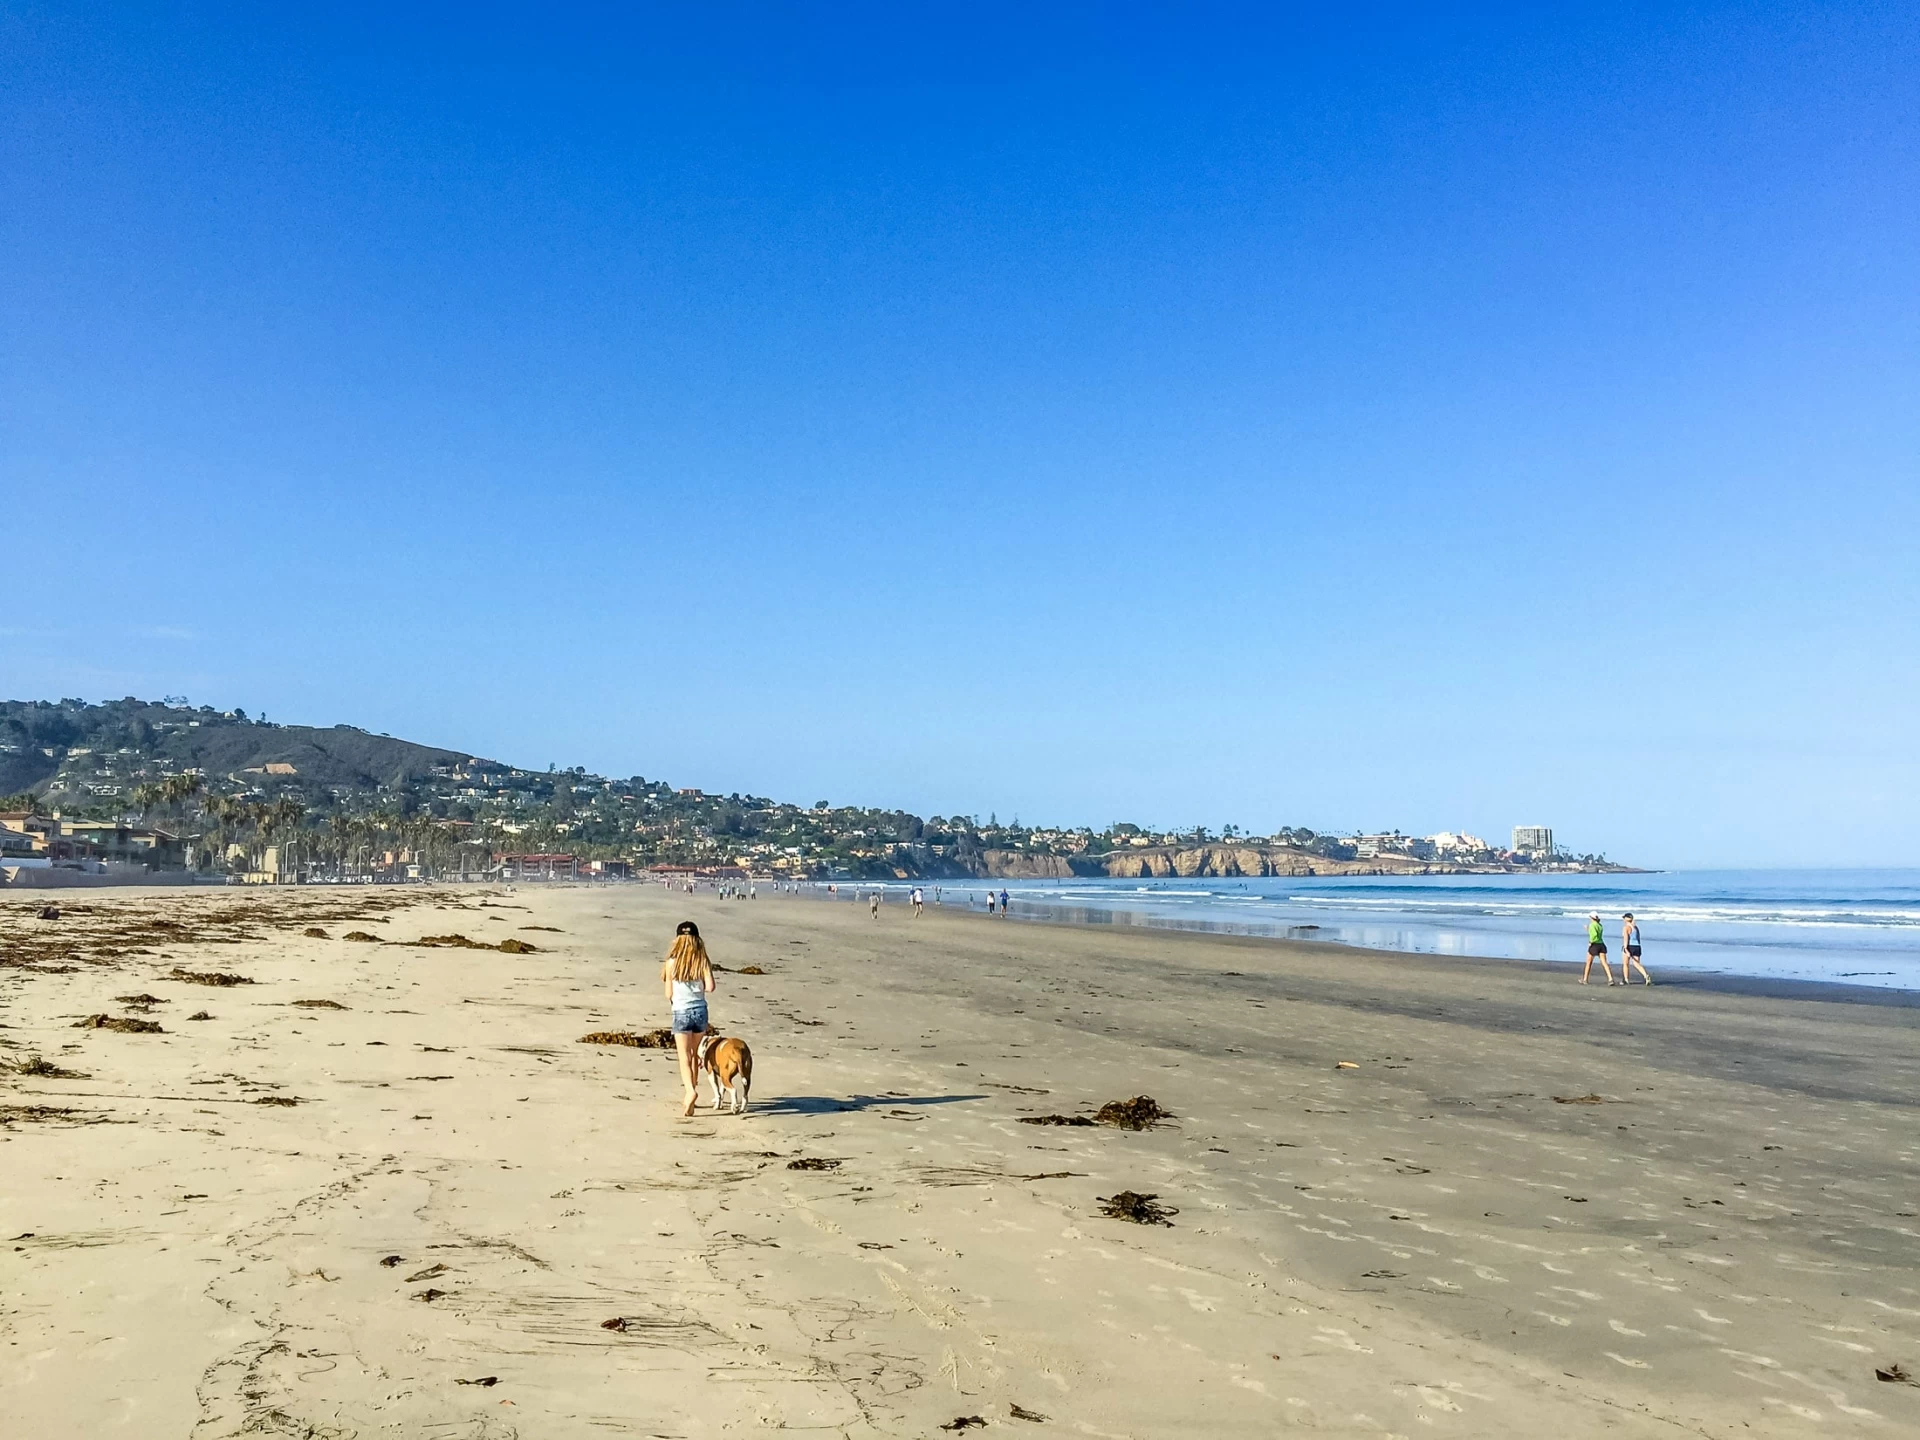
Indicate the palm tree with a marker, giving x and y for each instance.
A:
(178, 789)
(339, 827)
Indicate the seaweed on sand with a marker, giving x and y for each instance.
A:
(207, 977)
(461, 942)
(813, 1163)
(319, 1004)
(314, 932)
(1142, 1112)
(362, 937)
(116, 1022)
(48, 1115)
(1140, 1209)
(46, 1070)
(646, 1040)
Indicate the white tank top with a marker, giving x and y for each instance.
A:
(689, 995)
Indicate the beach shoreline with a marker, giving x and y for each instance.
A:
(1774, 987)
(1850, 926)
(1411, 1195)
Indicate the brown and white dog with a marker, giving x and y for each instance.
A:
(728, 1064)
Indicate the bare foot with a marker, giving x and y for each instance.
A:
(692, 1100)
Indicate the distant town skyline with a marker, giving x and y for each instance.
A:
(1445, 420)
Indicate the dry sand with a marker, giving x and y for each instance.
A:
(1726, 1242)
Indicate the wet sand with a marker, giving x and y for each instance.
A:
(1527, 1208)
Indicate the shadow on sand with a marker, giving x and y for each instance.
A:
(829, 1104)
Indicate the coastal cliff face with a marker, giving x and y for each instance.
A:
(1162, 862)
(1019, 865)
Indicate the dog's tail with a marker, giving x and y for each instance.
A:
(743, 1082)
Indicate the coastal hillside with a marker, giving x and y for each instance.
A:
(345, 802)
(72, 754)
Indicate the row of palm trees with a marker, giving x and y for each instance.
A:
(234, 832)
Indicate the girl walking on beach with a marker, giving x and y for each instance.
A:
(1630, 945)
(687, 979)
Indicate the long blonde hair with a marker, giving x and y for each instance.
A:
(687, 960)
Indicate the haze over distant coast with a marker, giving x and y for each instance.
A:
(227, 786)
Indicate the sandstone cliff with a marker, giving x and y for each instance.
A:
(1019, 865)
(1166, 861)
(1162, 862)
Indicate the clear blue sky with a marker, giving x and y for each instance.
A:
(1190, 414)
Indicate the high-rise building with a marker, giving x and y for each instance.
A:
(1532, 840)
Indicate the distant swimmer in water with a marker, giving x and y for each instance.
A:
(1630, 950)
(1596, 949)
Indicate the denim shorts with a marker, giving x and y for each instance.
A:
(690, 1022)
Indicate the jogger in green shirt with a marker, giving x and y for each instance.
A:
(1596, 949)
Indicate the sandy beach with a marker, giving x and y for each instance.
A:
(384, 1189)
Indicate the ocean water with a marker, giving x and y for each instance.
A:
(1859, 927)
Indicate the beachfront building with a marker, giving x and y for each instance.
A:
(1533, 840)
(1369, 847)
(131, 844)
(539, 867)
(25, 833)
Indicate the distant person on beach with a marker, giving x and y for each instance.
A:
(1596, 948)
(873, 904)
(1003, 904)
(919, 902)
(1630, 950)
(989, 902)
(687, 979)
